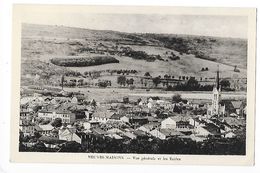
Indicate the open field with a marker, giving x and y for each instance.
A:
(110, 94)
(178, 68)
(41, 43)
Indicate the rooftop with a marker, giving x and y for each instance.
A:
(171, 132)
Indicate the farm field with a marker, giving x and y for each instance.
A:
(110, 94)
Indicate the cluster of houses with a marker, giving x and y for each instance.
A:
(57, 120)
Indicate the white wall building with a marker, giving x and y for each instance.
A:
(66, 117)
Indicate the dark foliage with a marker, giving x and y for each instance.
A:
(176, 98)
(225, 83)
(84, 61)
(191, 85)
(57, 122)
(142, 145)
(121, 80)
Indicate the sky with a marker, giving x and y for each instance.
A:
(219, 26)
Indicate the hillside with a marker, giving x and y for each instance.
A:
(176, 55)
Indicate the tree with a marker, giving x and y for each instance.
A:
(39, 147)
(22, 147)
(147, 74)
(125, 99)
(103, 84)
(132, 87)
(176, 98)
(225, 83)
(156, 81)
(93, 103)
(131, 81)
(36, 108)
(192, 84)
(37, 134)
(121, 80)
(57, 122)
(71, 146)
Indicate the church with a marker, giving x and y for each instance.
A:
(216, 108)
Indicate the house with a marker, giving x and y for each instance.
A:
(139, 133)
(27, 128)
(31, 142)
(201, 131)
(150, 126)
(90, 124)
(197, 121)
(51, 142)
(138, 120)
(98, 131)
(74, 100)
(208, 130)
(237, 106)
(154, 98)
(165, 133)
(129, 129)
(69, 134)
(44, 129)
(115, 117)
(125, 119)
(198, 103)
(197, 138)
(174, 122)
(233, 122)
(102, 115)
(114, 136)
(229, 134)
(152, 119)
(114, 131)
(150, 105)
(129, 135)
(65, 115)
(25, 114)
(133, 119)
(224, 127)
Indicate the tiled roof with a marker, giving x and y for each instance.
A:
(50, 140)
(232, 121)
(98, 131)
(236, 104)
(46, 127)
(151, 125)
(212, 128)
(180, 118)
(103, 112)
(171, 132)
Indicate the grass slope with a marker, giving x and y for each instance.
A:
(42, 42)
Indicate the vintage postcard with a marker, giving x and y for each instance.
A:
(131, 84)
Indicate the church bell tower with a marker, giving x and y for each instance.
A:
(216, 96)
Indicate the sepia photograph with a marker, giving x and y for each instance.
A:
(135, 82)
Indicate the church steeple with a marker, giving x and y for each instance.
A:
(217, 79)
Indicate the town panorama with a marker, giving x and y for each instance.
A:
(104, 91)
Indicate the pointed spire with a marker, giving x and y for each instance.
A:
(62, 81)
(217, 79)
